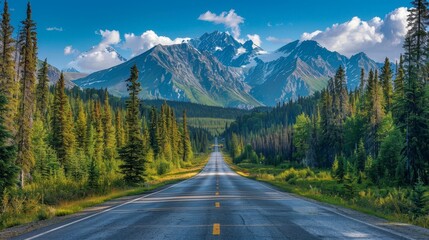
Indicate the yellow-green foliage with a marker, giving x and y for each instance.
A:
(292, 174)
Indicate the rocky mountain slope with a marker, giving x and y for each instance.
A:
(178, 72)
(216, 69)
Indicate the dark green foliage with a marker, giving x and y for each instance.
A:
(360, 157)
(350, 189)
(420, 199)
(132, 154)
(390, 154)
(8, 84)
(93, 175)
(186, 141)
(8, 169)
(386, 81)
(339, 168)
(42, 91)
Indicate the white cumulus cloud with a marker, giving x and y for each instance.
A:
(147, 40)
(379, 38)
(109, 37)
(230, 20)
(57, 29)
(256, 39)
(101, 56)
(68, 50)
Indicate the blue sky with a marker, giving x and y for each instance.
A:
(75, 23)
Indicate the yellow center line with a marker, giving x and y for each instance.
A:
(216, 229)
(217, 193)
(217, 204)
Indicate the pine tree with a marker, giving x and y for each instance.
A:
(8, 85)
(360, 156)
(417, 39)
(132, 154)
(99, 132)
(398, 110)
(420, 199)
(153, 131)
(93, 175)
(386, 81)
(187, 146)
(416, 124)
(340, 107)
(47, 164)
(63, 138)
(28, 55)
(327, 126)
(374, 113)
(42, 92)
(120, 135)
(8, 169)
(109, 130)
(362, 81)
(81, 127)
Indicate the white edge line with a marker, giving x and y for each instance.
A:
(328, 209)
(112, 208)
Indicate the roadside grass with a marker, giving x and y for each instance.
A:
(391, 203)
(33, 210)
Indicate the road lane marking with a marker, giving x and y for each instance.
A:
(217, 193)
(217, 204)
(115, 207)
(216, 229)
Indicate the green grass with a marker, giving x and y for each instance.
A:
(33, 210)
(391, 203)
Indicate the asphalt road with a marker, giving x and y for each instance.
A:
(216, 204)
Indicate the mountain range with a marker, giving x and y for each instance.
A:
(54, 74)
(216, 69)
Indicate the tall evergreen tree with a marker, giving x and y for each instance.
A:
(362, 81)
(8, 84)
(8, 169)
(327, 126)
(81, 127)
(42, 92)
(416, 125)
(186, 141)
(109, 130)
(28, 55)
(417, 39)
(340, 106)
(386, 81)
(132, 154)
(374, 111)
(98, 132)
(398, 111)
(63, 138)
(120, 135)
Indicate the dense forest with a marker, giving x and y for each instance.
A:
(60, 144)
(378, 132)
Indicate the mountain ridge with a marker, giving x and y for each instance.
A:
(216, 69)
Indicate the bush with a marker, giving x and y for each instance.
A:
(163, 166)
(297, 174)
